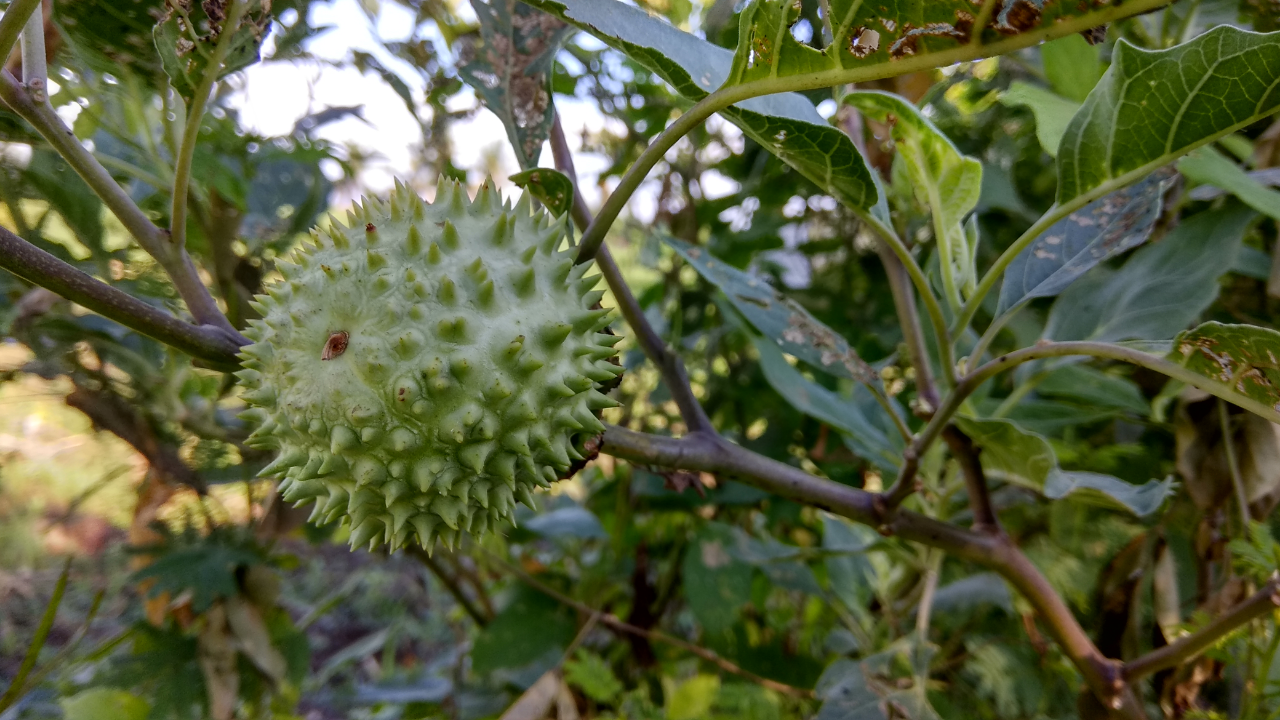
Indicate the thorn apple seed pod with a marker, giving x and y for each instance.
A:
(401, 386)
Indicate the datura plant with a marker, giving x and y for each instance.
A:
(423, 369)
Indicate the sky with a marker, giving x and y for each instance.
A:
(271, 97)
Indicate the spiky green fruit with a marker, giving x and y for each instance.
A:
(427, 367)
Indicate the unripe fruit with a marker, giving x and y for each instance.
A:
(424, 369)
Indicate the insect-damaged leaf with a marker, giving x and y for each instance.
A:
(786, 123)
(511, 71)
(771, 40)
(781, 319)
(1100, 230)
(1152, 106)
(550, 187)
(188, 33)
(1244, 357)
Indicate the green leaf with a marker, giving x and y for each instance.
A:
(785, 123)
(55, 181)
(1024, 458)
(862, 690)
(590, 673)
(1107, 491)
(1153, 106)
(525, 630)
(1082, 240)
(104, 704)
(551, 188)
(1072, 66)
(1207, 166)
(1052, 111)
(567, 522)
(779, 318)
(1090, 386)
(511, 71)
(944, 180)
(208, 570)
(1244, 357)
(691, 699)
(870, 34)
(716, 585)
(1010, 453)
(1161, 290)
(186, 36)
(822, 404)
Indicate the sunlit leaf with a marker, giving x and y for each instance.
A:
(511, 71)
(1072, 66)
(550, 187)
(187, 35)
(1208, 166)
(104, 704)
(1052, 111)
(1152, 106)
(943, 180)
(592, 674)
(786, 123)
(1243, 357)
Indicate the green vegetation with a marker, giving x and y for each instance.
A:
(943, 382)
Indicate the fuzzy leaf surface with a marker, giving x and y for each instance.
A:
(1153, 106)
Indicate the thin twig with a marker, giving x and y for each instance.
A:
(450, 584)
(152, 239)
(1233, 465)
(195, 116)
(669, 363)
(211, 344)
(975, 480)
(711, 453)
(1258, 605)
(12, 23)
(616, 623)
(35, 71)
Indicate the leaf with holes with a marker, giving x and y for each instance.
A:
(511, 71)
(944, 180)
(1244, 357)
(550, 187)
(775, 40)
(1161, 290)
(781, 319)
(1082, 240)
(1153, 106)
(785, 123)
(188, 33)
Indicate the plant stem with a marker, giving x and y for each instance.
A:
(195, 115)
(34, 265)
(35, 72)
(153, 239)
(669, 363)
(450, 584)
(975, 480)
(734, 93)
(1258, 605)
(617, 624)
(912, 332)
(12, 23)
(1233, 466)
(945, 357)
(711, 453)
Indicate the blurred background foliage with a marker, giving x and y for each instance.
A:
(632, 593)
